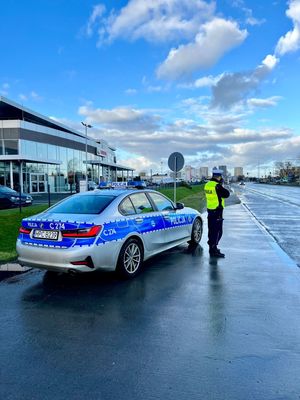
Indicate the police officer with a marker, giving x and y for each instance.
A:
(215, 194)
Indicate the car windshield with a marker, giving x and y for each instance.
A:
(82, 205)
(5, 189)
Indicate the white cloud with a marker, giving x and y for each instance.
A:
(35, 96)
(125, 118)
(234, 88)
(153, 89)
(250, 154)
(264, 103)
(215, 38)
(95, 17)
(155, 21)
(290, 42)
(205, 81)
(130, 91)
(4, 89)
(30, 96)
(148, 138)
(250, 19)
(139, 163)
(270, 61)
(23, 97)
(201, 37)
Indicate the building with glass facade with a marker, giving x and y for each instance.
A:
(38, 153)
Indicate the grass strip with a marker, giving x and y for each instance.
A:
(191, 197)
(10, 222)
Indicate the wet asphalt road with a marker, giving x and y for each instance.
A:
(277, 208)
(188, 327)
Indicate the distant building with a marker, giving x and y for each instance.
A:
(224, 169)
(37, 152)
(190, 173)
(203, 172)
(238, 171)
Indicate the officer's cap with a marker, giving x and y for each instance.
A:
(217, 172)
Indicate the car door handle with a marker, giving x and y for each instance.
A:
(167, 217)
(139, 220)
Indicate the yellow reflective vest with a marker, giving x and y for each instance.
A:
(212, 198)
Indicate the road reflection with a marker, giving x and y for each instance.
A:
(217, 295)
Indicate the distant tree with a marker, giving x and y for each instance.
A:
(284, 169)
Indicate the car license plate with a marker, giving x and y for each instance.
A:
(52, 235)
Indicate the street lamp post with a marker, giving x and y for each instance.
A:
(86, 128)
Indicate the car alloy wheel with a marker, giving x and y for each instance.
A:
(130, 258)
(196, 231)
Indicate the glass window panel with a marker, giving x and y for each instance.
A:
(126, 207)
(41, 186)
(141, 203)
(11, 147)
(29, 148)
(42, 151)
(83, 205)
(52, 152)
(161, 202)
(11, 133)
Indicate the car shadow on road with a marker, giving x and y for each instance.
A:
(164, 272)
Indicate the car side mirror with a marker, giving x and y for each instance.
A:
(179, 206)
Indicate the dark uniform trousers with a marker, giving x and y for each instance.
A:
(215, 226)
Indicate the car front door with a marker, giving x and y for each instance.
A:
(176, 226)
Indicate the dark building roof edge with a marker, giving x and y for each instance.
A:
(40, 116)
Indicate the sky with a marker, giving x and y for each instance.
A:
(217, 81)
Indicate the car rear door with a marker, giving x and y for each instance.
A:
(148, 222)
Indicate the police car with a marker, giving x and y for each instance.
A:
(106, 229)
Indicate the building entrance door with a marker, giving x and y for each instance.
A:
(37, 183)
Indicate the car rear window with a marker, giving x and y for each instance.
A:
(83, 205)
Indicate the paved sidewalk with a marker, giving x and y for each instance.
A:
(254, 298)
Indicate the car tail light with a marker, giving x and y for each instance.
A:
(88, 262)
(82, 233)
(24, 230)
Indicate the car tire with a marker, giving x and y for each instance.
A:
(130, 259)
(197, 231)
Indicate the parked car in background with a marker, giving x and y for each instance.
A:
(137, 184)
(106, 229)
(10, 198)
(92, 185)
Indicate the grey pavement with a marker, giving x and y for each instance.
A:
(188, 327)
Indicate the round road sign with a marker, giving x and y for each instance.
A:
(176, 162)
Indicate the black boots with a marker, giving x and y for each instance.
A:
(215, 252)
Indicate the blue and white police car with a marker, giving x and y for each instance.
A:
(106, 229)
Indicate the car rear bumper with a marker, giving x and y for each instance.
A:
(102, 257)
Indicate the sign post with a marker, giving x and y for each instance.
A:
(175, 163)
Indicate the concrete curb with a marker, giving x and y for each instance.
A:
(13, 267)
